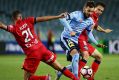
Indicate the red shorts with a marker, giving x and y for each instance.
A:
(33, 59)
(85, 46)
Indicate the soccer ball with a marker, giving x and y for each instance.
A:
(86, 72)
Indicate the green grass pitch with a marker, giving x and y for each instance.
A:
(10, 67)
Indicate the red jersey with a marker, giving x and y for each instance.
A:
(95, 16)
(25, 35)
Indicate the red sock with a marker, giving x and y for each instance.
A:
(94, 66)
(82, 63)
(67, 73)
(38, 78)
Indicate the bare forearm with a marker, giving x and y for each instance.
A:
(46, 18)
(99, 28)
(3, 26)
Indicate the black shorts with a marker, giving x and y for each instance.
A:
(68, 45)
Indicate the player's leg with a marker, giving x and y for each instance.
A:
(84, 48)
(83, 61)
(30, 66)
(31, 76)
(73, 52)
(75, 60)
(95, 65)
(50, 58)
(64, 70)
(59, 74)
(27, 75)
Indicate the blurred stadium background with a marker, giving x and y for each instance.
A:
(8, 45)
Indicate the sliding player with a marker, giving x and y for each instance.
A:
(35, 51)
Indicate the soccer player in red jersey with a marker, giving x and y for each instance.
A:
(35, 51)
(99, 8)
(86, 48)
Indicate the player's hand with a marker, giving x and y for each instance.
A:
(107, 30)
(72, 33)
(62, 15)
(101, 45)
(1, 24)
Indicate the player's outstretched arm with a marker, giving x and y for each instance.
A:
(99, 28)
(47, 18)
(3, 26)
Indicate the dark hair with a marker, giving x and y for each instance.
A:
(100, 4)
(90, 4)
(15, 13)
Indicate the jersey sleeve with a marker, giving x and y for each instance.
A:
(92, 38)
(87, 24)
(76, 15)
(31, 20)
(10, 28)
(64, 22)
(89, 21)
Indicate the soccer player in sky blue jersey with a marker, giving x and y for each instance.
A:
(74, 24)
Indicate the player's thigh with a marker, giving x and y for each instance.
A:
(97, 55)
(50, 59)
(48, 56)
(30, 65)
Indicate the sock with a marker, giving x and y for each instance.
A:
(82, 63)
(95, 66)
(38, 78)
(75, 61)
(68, 74)
(69, 67)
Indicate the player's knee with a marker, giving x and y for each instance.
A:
(27, 75)
(99, 57)
(75, 57)
(85, 55)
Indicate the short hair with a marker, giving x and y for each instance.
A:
(15, 13)
(100, 4)
(90, 4)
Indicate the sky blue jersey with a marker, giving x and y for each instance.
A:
(76, 22)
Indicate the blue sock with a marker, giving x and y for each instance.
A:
(69, 67)
(75, 61)
(59, 74)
